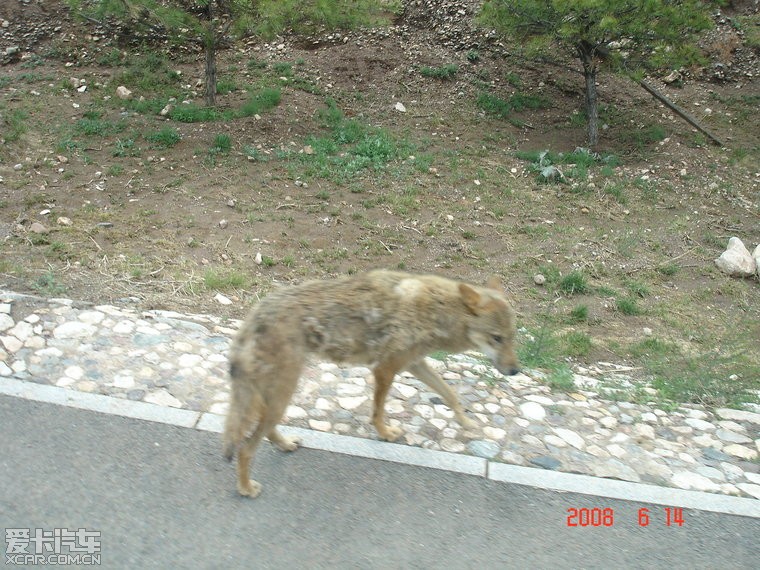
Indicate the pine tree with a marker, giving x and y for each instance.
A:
(629, 34)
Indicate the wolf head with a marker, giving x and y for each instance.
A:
(492, 328)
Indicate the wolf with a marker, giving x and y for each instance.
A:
(388, 320)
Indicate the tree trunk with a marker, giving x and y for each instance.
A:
(210, 46)
(586, 54)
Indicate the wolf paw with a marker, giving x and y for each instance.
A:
(391, 433)
(288, 443)
(252, 489)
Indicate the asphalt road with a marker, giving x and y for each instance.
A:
(162, 497)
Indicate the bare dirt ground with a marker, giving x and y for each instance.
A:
(171, 226)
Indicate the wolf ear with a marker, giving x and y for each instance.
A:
(494, 282)
(470, 297)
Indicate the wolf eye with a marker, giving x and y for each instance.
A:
(498, 339)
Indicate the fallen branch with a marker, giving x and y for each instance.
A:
(680, 112)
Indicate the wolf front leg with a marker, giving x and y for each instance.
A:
(429, 377)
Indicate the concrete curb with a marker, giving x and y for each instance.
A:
(373, 449)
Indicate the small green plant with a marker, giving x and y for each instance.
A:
(218, 280)
(13, 123)
(222, 144)
(668, 269)
(561, 378)
(579, 314)
(167, 137)
(540, 349)
(261, 101)
(574, 283)
(125, 147)
(577, 344)
(444, 73)
(628, 306)
(473, 56)
(47, 284)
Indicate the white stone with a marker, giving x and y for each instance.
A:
(571, 437)
(18, 366)
(405, 390)
(220, 408)
(452, 445)
(752, 477)
(394, 406)
(319, 425)
(444, 411)
(124, 327)
(732, 426)
(733, 472)
(5, 309)
(4, 370)
(189, 360)
(162, 397)
(222, 300)
(694, 481)
(738, 415)
(439, 423)
(295, 412)
(73, 329)
(65, 381)
(324, 404)
(35, 342)
(91, 317)
(543, 400)
(750, 489)
(74, 372)
(609, 422)
(123, 93)
(22, 331)
(494, 433)
(556, 441)
(697, 414)
(756, 257)
(424, 411)
(731, 436)
(686, 458)
(123, 381)
(616, 450)
(643, 431)
(399, 106)
(11, 343)
(522, 422)
(699, 425)
(736, 261)
(740, 451)
(649, 417)
(351, 403)
(533, 411)
(6, 322)
(619, 438)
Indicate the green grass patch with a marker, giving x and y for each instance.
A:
(13, 123)
(505, 108)
(445, 72)
(628, 306)
(261, 101)
(218, 280)
(574, 283)
(167, 137)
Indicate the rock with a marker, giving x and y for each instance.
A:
(571, 437)
(38, 228)
(643, 431)
(222, 300)
(258, 259)
(320, 425)
(732, 437)
(694, 481)
(608, 422)
(481, 448)
(452, 445)
(740, 451)
(554, 440)
(545, 462)
(352, 402)
(166, 110)
(6, 322)
(539, 279)
(756, 257)
(699, 425)
(64, 221)
(614, 469)
(161, 397)
(736, 261)
(400, 107)
(74, 329)
(533, 411)
(295, 412)
(738, 415)
(124, 94)
(750, 489)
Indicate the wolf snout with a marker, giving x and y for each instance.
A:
(511, 371)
